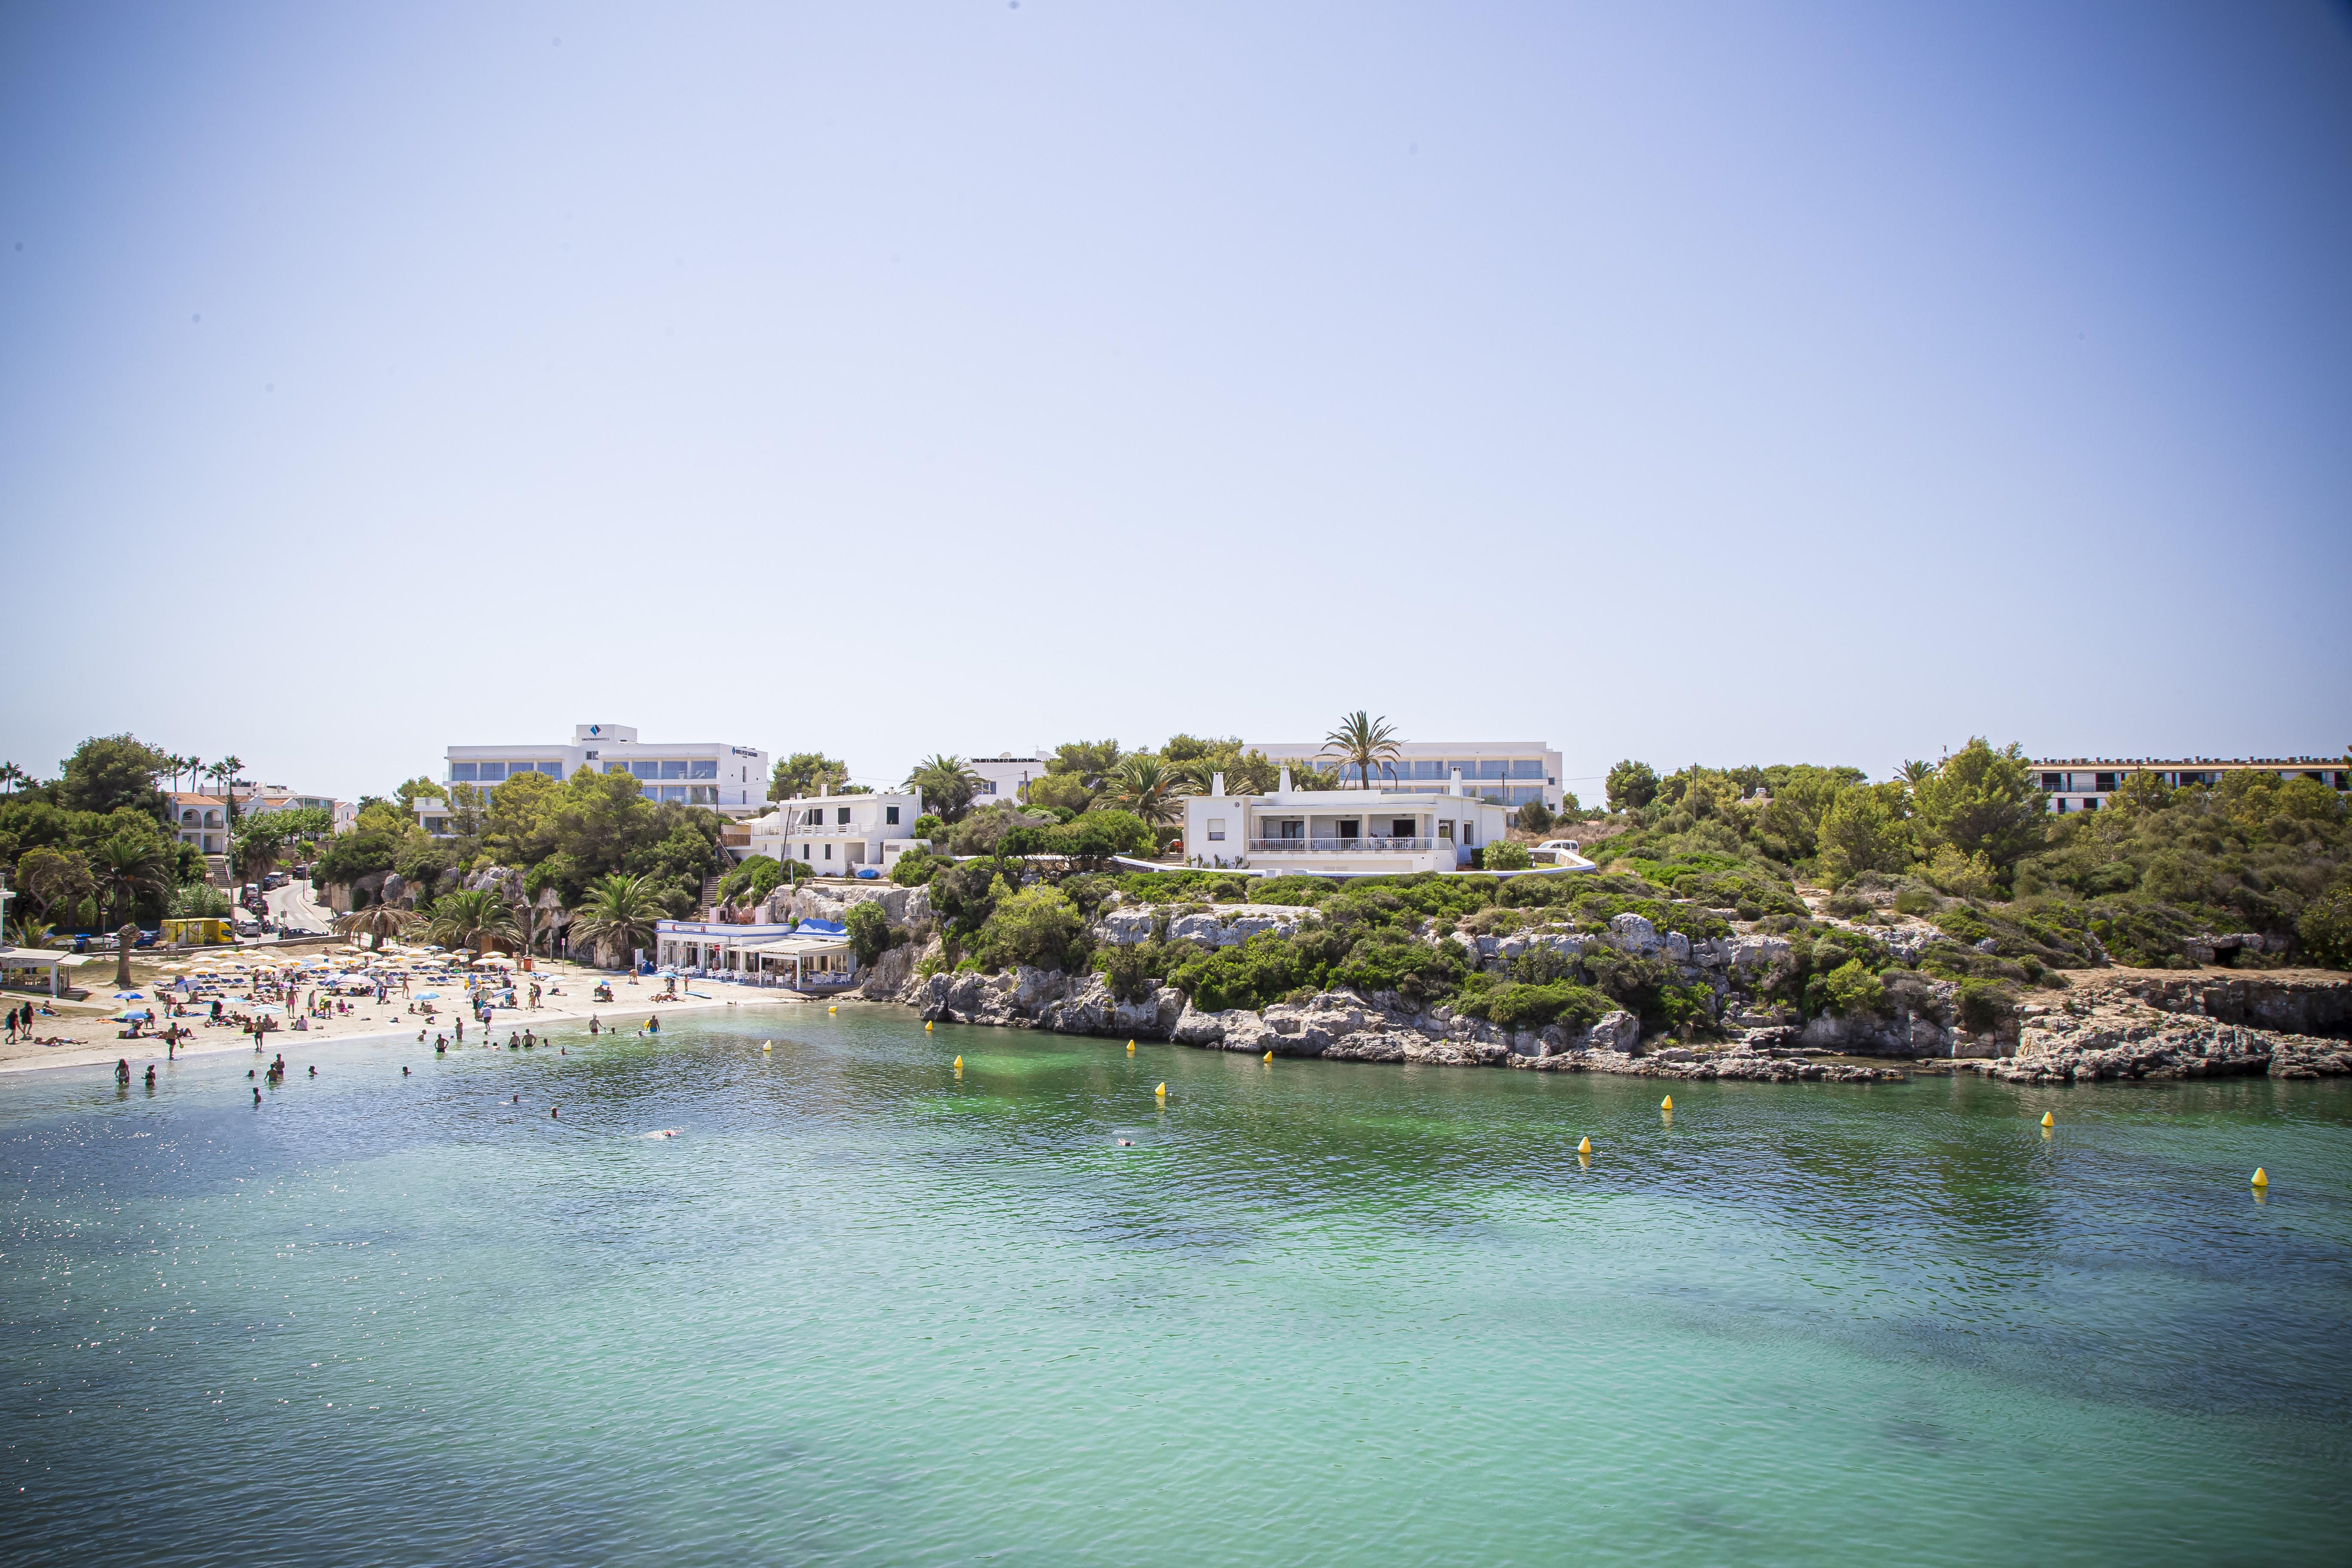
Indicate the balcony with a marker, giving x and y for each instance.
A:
(1364, 845)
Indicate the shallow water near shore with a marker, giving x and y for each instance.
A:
(861, 1307)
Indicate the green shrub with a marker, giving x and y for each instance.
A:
(1508, 857)
(932, 827)
(869, 931)
(1513, 1006)
(1853, 991)
(1036, 926)
(1981, 1005)
(917, 867)
(2326, 928)
(1915, 899)
(198, 899)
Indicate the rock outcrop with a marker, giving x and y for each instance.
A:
(2113, 1043)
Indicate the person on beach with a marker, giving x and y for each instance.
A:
(530, 1041)
(150, 1075)
(514, 1041)
(257, 1097)
(594, 1026)
(123, 1071)
(12, 1025)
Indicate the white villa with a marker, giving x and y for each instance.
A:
(730, 780)
(839, 835)
(1509, 773)
(1343, 832)
(1005, 778)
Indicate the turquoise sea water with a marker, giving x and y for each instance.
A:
(861, 1310)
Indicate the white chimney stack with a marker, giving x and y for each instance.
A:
(1286, 778)
(1217, 784)
(1455, 787)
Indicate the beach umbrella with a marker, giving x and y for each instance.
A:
(128, 996)
(130, 1013)
(428, 996)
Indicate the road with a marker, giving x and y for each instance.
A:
(292, 909)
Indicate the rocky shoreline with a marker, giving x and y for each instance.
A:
(2105, 1027)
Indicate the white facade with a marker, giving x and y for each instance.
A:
(798, 958)
(2084, 784)
(1341, 833)
(1005, 778)
(839, 835)
(730, 780)
(1509, 773)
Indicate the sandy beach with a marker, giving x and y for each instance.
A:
(90, 1034)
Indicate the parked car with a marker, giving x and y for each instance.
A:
(146, 939)
(1554, 852)
(275, 879)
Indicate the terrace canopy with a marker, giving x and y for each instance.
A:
(41, 958)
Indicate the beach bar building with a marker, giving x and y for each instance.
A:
(814, 955)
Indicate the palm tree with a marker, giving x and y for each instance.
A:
(616, 914)
(947, 783)
(1363, 743)
(1914, 774)
(127, 865)
(475, 918)
(229, 767)
(28, 931)
(1147, 786)
(382, 921)
(12, 775)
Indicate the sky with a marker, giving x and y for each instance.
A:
(1718, 384)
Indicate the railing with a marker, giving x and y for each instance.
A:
(1362, 845)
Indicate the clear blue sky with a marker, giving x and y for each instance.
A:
(1715, 383)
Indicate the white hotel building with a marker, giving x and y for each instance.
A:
(1508, 773)
(840, 835)
(2084, 784)
(730, 780)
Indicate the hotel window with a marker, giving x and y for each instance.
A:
(2053, 780)
(1445, 831)
(841, 816)
(493, 772)
(702, 768)
(2104, 783)
(890, 815)
(1401, 828)
(462, 771)
(1526, 768)
(645, 770)
(804, 852)
(2090, 804)
(828, 851)
(701, 795)
(1216, 828)
(674, 768)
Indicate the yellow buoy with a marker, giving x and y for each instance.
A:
(1668, 1103)
(1161, 1091)
(1584, 1146)
(959, 1064)
(1130, 1047)
(832, 1009)
(926, 1028)
(1269, 1055)
(2048, 1121)
(2260, 1180)
(767, 1045)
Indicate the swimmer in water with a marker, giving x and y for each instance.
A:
(314, 1069)
(1127, 1142)
(556, 1111)
(515, 1101)
(403, 1072)
(257, 1097)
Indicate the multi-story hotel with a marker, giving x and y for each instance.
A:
(1507, 773)
(2084, 784)
(731, 780)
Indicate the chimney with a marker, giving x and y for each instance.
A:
(1286, 778)
(1217, 784)
(1455, 787)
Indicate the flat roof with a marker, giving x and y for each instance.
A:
(1404, 748)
